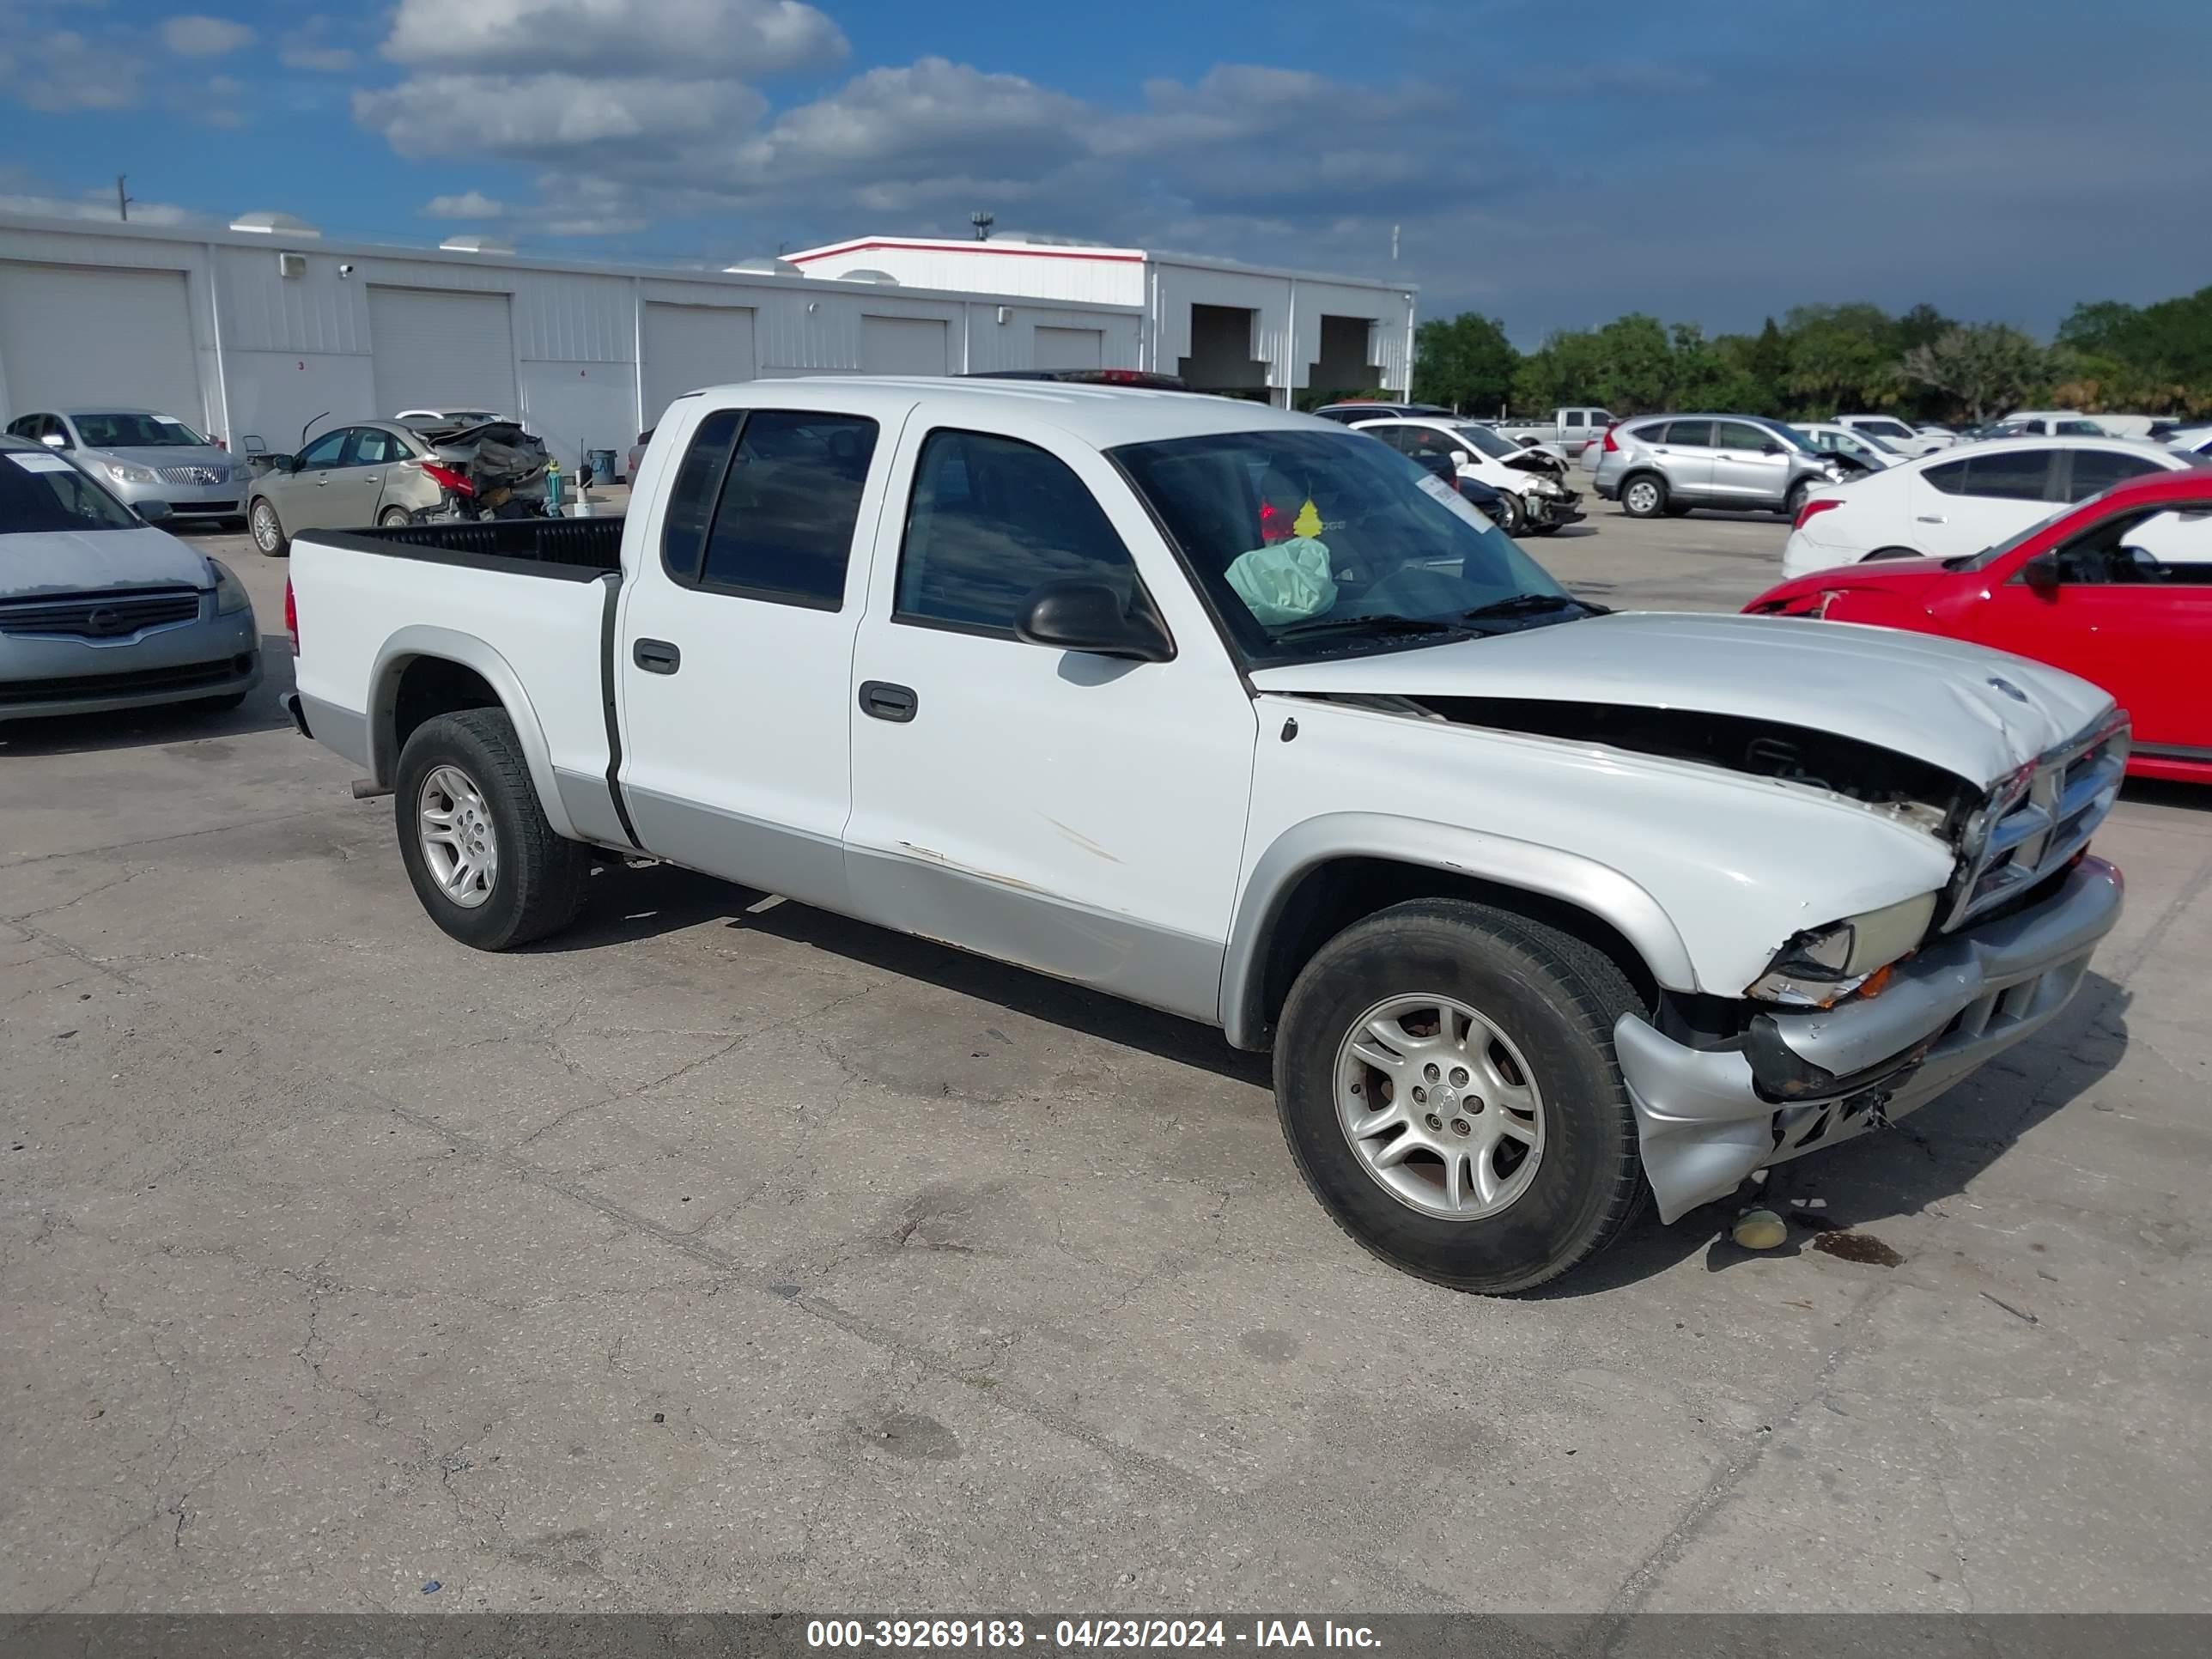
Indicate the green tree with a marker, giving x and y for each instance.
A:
(1464, 362)
(1715, 374)
(1841, 358)
(1987, 368)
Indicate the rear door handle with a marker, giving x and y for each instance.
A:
(881, 700)
(655, 656)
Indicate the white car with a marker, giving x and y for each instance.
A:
(1529, 479)
(1947, 506)
(1904, 440)
(1233, 713)
(1872, 453)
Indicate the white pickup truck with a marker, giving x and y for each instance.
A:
(1242, 715)
(1570, 431)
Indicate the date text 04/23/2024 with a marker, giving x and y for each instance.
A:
(959, 1634)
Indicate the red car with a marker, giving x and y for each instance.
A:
(2076, 591)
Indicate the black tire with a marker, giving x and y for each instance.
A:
(1892, 553)
(1512, 517)
(1794, 502)
(1643, 495)
(271, 540)
(394, 518)
(538, 884)
(1557, 998)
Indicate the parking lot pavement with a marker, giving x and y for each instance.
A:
(724, 1255)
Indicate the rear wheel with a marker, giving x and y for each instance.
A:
(268, 530)
(1643, 496)
(483, 860)
(1445, 1076)
(395, 518)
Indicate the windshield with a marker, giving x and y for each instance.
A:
(1298, 535)
(128, 429)
(43, 492)
(1488, 442)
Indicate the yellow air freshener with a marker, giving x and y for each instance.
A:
(1308, 523)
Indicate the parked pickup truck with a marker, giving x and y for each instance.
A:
(1237, 713)
(1570, 431)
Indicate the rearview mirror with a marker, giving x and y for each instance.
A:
(2041, 574)
(1078, 615)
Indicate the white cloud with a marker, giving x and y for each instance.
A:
(539, 117)
(308, 47)
(63, 70)
(194, 36)
(683, 38)
(469, 204)
(20, 194)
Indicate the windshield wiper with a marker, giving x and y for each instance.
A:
(1522, 604)
(1385, 622)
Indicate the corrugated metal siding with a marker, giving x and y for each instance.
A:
(998, 268)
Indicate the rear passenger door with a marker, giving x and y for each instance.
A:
(734, 644)
(1685, 449)
(1078, 814)
(1981, 499)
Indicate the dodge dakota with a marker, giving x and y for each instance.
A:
(1541, 909)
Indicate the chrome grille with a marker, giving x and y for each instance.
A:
(2039, 817)
(99, 616)
(193, 475)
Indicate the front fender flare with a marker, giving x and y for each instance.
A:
(423, 640)
(1584, 882)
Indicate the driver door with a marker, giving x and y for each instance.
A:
(1751, 466)
(2138, 623)
(305, 500)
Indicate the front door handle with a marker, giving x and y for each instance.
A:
(881, 700)
(1929, 517)
(655, 656)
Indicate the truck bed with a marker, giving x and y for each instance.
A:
(573, 549)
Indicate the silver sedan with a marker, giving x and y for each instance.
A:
(143, 455)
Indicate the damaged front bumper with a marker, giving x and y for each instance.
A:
(1800, 1080)
(1552, 512)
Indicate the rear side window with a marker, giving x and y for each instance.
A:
(992, 519)
(372, 448)
(1574, 417)
(2011, 475)
(765, 504)
(1697, 433)
(2096, 471)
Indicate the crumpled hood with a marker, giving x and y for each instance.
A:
(1977, 713)
(88, 561)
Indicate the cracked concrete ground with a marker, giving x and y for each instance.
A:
(724, 1255)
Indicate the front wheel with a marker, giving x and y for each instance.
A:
(268, 530)
(1512, 517)
(1643, 497)
(1794, 502)
(483, 860)
(1445, 1076)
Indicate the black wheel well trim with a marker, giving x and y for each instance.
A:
(1285, 914)
(460, 653)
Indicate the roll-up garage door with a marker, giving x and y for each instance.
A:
(1070, 348)
(687, 346)
(904, 345)
(435, 349)
(71, 336)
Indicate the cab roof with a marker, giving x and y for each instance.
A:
(1102, 415)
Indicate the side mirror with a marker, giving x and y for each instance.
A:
(152, 512)
(290, 462)
(1079, 616)
(1770, 448)
(2041, 574)
(53, 441)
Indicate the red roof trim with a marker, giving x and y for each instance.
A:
(1037, 252)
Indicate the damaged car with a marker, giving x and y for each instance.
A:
(1543, 911)
(1531, 481)
(392, 473)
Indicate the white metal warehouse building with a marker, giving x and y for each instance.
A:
(253, 334)
(1245, 329)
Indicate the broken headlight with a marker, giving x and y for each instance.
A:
(1823, 965)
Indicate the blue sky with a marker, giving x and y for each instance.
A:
(1553, 163)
